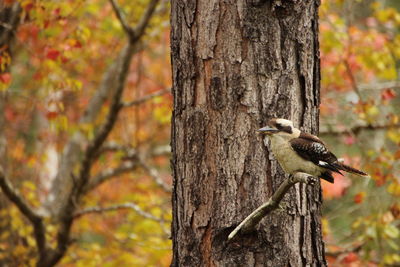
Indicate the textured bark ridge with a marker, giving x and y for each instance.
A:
(237, 64)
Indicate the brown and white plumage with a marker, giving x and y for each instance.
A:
(297, 151)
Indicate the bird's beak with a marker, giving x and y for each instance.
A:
(267, 130)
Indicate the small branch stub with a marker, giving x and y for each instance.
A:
(251, 221)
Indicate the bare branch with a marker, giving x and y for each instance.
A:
(114, 146)
(138, 31)
(335, 254)
(6, 25)
(379, 85)
(121, 18)
(91, 152)
(161, 150)
(156, 176)
(112, 116)
(358, 128)
(128, 205)
(131, 152)
(14, 196)
(67, 211)
(146, 98)
(109, 174)
(250, 222)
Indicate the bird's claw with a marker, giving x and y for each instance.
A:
(311, 180)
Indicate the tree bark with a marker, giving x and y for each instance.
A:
(237, 64)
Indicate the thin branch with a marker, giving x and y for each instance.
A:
(14, 196)
(109, 174)
(138, 31)
(379, 85)
(118, 12)
(128, 205)
(66, 215)
(130, 152)
(91, 151)
(135, 33)
(353, 81)
(114, 147)
(358, 128)
(62, 184)
(6, 25)
(251, 221)
(156, 176)
(161, 150)
(335, 254)
(107, 126)
(145, 98)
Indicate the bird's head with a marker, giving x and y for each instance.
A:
(280, 127)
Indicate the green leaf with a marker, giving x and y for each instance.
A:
(392, 231)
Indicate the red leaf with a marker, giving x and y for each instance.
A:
(53, 54)
(9, 114)
(388, 94)
(27, 6)
(359, 198)
(57, 12)
(351, 257)
(5, 78)
(78, 44)
(37, 76)
(349, 140)
(50, 115)
(64, 59)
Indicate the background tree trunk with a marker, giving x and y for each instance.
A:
(235, 65)
(9, 22)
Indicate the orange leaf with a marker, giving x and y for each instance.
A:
(359, 198)
(9, 114)
(50, 115)
(336, 189)
(351, 257)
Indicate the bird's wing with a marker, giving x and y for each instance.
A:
(311, 148)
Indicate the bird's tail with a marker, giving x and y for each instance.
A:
(352, 170)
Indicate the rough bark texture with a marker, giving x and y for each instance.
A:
(237, 64)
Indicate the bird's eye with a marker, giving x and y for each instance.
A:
(283, 128)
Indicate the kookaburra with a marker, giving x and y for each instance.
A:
(297, 151)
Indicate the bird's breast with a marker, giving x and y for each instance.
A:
(289, 160)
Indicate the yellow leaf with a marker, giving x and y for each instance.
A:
(394, 188)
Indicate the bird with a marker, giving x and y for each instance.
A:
(298, 151)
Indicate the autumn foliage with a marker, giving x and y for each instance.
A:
(51, 72)
(360, 120)
(57, 61)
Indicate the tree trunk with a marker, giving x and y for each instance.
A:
(237, 64)
(9, 22)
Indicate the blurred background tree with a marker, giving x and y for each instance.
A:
(68, 153)
(360, 53)
(55, 61)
